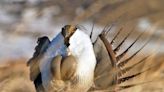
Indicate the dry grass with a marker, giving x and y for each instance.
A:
(14, 77)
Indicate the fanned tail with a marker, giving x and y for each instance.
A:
(113, 67)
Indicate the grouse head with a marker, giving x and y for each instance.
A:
(67, 32)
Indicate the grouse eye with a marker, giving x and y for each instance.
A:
(63, 31)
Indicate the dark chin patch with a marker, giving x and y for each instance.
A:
(66, 42)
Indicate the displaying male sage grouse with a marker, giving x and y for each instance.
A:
(72, 63)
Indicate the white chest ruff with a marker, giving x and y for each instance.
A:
(81, 47)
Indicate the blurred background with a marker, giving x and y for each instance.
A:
(23, 21)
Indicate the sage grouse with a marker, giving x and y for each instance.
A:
(71, 62)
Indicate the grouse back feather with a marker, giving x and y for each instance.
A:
(35, 74)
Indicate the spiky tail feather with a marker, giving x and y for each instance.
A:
(117, 69)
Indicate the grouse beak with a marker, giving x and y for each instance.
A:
(67, 32)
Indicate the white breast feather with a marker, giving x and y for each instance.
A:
(81, 47)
